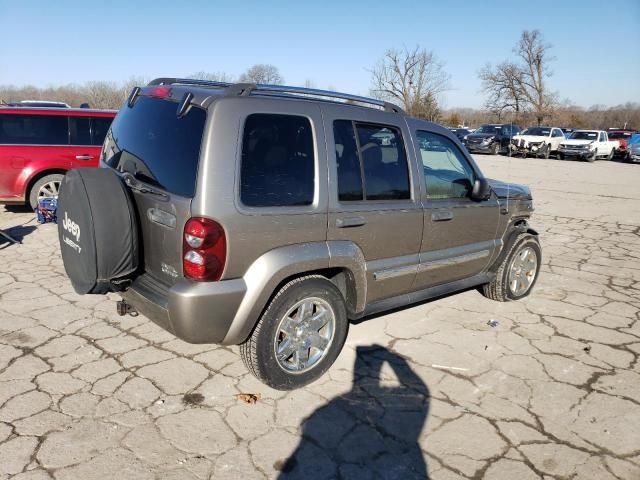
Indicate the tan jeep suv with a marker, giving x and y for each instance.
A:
(269, 216)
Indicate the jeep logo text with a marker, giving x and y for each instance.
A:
(70, 226)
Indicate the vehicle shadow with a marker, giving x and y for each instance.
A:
(372, 431)
(14, 233)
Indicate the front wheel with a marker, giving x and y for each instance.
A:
(518, 271)
(545, 153)
(611, 154)
(496, 149)
(47, 187)
(299, 335)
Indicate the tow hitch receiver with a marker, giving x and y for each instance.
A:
(123, 308)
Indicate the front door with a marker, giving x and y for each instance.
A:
(374, 197)
(460, 234)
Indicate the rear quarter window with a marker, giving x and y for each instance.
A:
(24, 129)
(277, 166)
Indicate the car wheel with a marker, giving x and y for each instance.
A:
(299, 335)
(496, 148)
(593, 157)
(611, 154)
(47, 187)
(518, 272)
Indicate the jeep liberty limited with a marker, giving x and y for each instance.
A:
(270, 216)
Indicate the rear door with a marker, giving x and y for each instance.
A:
(460, 234)
(374, 196)
(158, 153)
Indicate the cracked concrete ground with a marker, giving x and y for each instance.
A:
(552, 391)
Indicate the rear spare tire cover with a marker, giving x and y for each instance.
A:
(97, 229)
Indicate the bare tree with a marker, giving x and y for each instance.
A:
(521, 86)
(535, 57)
(262, 73)
(503, 85)
(102, 94)
(414, 78)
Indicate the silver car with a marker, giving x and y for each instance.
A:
(271, 216)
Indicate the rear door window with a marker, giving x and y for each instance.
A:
(34, 129)
(80, 129)
(99, 128)
(371, 161)
(150, 141)
(278, 165)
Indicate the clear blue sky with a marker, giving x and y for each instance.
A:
(332, 43)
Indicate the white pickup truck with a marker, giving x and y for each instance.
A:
(588, 145)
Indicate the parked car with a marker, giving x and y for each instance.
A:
(587, 145)
(491, 138)
(38, 145)
(460, 132)
(275, 236)
(633, 148)
(623, 137)
(567, 131)
(537, 141)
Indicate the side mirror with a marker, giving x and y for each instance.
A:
(481, 190)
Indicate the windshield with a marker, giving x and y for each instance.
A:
(635, 138)
(493, 129)
(538, 131)
(584, 136)
(152, 143)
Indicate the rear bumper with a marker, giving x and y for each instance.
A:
(196, 312)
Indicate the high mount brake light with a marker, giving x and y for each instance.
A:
(160, 91)
(204, 249)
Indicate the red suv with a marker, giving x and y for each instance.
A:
(38, 145)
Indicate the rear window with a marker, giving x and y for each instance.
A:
(150, 141)
(34, 130)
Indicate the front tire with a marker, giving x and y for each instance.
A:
(518, 271)
(496, 149)
(46, 187)
(611, 154)
(299, 335)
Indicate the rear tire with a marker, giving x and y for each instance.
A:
(501, 287)
(611, 154)
(47, 187)
(286, 333)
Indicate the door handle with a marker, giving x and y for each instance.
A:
(350, 222)
(84, 157)
(441, 215)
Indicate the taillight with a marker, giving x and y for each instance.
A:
(204, 249)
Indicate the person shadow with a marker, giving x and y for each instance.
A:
(372, 431)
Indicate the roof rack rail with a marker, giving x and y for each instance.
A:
(247, 88)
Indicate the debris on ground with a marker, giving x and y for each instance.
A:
(249, 398)
(444, 367)
(587, 348)
(492, 323)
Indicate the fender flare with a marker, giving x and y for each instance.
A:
(270, 270)
(513, 231)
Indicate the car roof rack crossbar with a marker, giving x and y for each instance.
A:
(247, 88)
